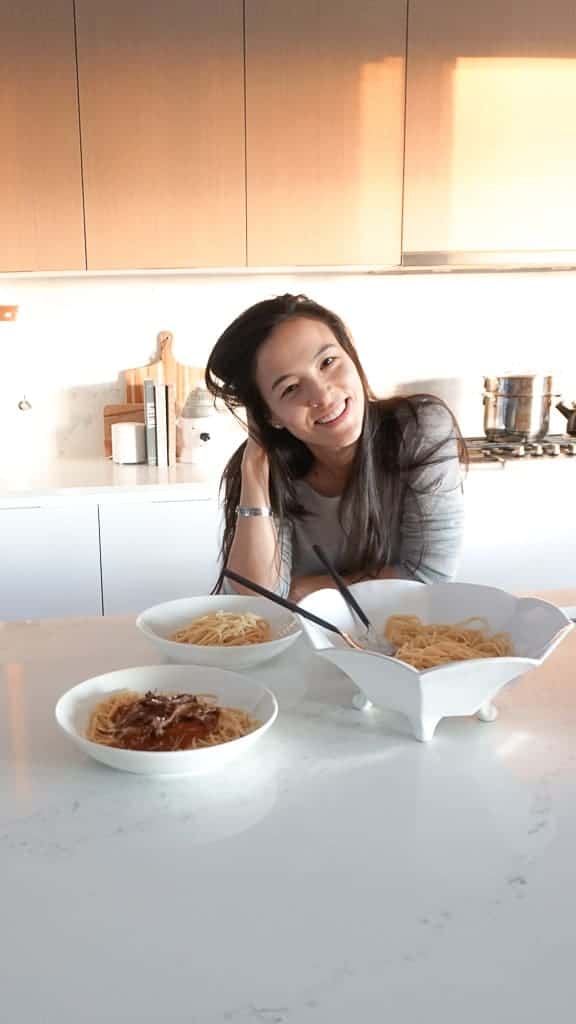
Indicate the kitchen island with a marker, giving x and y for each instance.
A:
(340, 872)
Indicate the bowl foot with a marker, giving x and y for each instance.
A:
(423, 728)
(361, 702)
(487, 713)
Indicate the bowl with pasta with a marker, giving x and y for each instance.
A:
(166, 719)
(447, 648)
(228, 631)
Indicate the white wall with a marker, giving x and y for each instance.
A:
(439, 332)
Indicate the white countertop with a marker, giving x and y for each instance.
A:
(341, 872)
(99, 480)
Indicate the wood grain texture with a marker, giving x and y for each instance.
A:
(490, 129)
(40, 177)
(324, 104)
(164, 370)
(161, 101)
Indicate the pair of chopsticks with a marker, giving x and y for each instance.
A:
(284, 602)
(346, 594)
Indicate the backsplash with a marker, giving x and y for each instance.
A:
(435, 332)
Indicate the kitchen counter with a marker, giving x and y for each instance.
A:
(101, 481)
(342, 871)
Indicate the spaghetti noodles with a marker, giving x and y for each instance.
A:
(426, 646)
(166, 722)
(224, 629)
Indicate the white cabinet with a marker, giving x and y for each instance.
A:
(49, 562)
(157, 551)
(520, 532)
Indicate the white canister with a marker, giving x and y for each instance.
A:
(128, 442)
(199, 436)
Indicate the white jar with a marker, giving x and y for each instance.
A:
(128, 442)
(199, 436)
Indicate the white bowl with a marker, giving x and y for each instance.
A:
(74, 708)
(160, 621)
(458, 688)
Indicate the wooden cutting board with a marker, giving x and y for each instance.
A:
(165, 370)
(127, 413)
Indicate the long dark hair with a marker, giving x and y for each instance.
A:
(373, 497)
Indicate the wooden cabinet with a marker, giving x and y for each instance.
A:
(162, 118)
(324, 131)
(49, 562)
(490, 127)
(40, 180)
(157, 551)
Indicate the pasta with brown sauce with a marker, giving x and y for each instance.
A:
(166, 722)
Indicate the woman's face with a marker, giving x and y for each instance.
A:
(310, 385)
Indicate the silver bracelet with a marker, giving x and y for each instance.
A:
(257, 510)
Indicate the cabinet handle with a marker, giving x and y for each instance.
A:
(22, 508)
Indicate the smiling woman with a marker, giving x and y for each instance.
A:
(375, 482)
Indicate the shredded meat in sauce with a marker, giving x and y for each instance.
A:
(160, 722)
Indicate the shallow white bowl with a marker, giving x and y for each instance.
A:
(160, 621)
(74, 708)
(459, 688)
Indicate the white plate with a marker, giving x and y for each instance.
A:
(162, 620)
(74, 708)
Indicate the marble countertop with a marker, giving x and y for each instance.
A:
(86, 481)
(100, 480)
(342, 871)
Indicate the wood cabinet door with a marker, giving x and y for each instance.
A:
(490, 127)
(157, 551)
(50, 562)
(41, 226)
(324, 131)
(162, 117)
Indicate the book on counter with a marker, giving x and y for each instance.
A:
(171, 422)
(160, 422)
(161, 425)
(150, 422)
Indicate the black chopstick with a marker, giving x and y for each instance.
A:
(284, 602)
(348, 597)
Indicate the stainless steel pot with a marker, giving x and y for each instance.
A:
(517, 408)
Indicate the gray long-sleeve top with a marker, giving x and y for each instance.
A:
(431, 522)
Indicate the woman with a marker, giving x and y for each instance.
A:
(377, 483)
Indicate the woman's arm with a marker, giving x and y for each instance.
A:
(301, 586)
(432, 524)
(259, 550)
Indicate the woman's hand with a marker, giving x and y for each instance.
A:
(255, 469)
(301, 586)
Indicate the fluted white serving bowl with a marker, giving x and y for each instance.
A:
(460, 688)
(74, 708)
(162, 620)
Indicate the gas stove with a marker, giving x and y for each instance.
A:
(551, 446)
